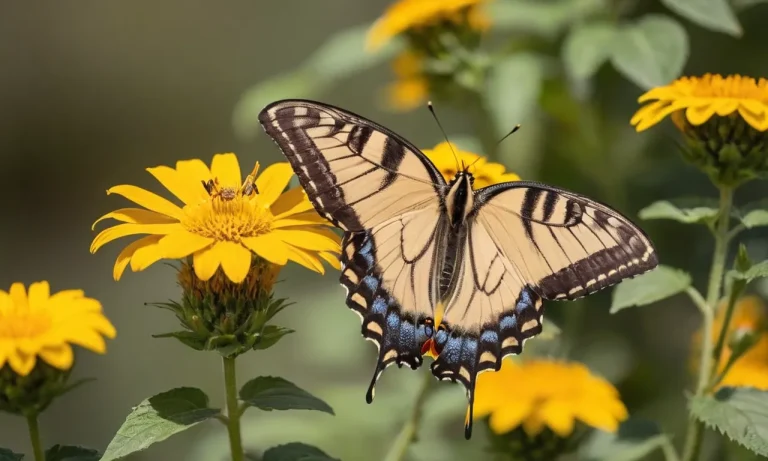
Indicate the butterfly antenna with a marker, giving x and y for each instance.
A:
(517, 127)
(432, 110)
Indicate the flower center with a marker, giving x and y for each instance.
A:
(23, 324)
(228, 215)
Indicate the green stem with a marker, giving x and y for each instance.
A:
(732, 298)
(409, 432)
(233, 409)
(34, 436)
(695, 427)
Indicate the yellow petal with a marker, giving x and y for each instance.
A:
(194, 170)
(268, 247)
(125, 256)
(726, 107)
(146, 256)
(102, 325)
(305, 259)
(318, 239)
(19, 295)
(6, 304)
(187, 190)
(557, 415)
(509, 416)
(148, 200)
(331, 259)
(227, 170)
(39, 292)
(123, 230)
(272, 182)
(235, 260)
(60, 356)
(758, 120)
(182, 243)
(206, 262)
(21, 363)
(135, 216)
(534, 423)
(300, 219)
(88, 339)
(595, 416)
(290, 203)
(698, 115)
(662, 92)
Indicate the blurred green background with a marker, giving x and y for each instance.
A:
(91, 93)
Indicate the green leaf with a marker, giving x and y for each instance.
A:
(545, 19)
(759, 270)
(296, 451)
(158, 418)
(635, 439)
(755, 218)
(274, 393)
(8, 455)
(587, 47)
(71, 453)
(187, 338)
(513, 89)
(651, 52)
(298, 84)
(741, 413)
(345, 53)
(660, 283)
(715, 15)
(270, 336)
(665, 209)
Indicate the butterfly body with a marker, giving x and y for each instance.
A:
(433, 264)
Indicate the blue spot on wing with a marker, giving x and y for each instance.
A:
(489, 336)
(371, 282)
(508, 322)
(379, 306)
(365, 251)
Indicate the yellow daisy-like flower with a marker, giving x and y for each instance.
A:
(38, 324)
(485, 173)
(697, 99)
(555, 395)
(411, 88)
(751, 369)
(223, 221)
(412, 14)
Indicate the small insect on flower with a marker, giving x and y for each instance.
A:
(223, 221)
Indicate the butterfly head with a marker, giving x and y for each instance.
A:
(459, 200)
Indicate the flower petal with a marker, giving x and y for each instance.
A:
(226, 169)
(558, 416)
(300, 219)
(700, 114)
(19, 295)
(272, 182)
(183, 243)
(123, 230)
(148, 200)
(292, 202)
(60, 356)
(268, 247)
(331, 259)
(595, 416)
(88, 339)
(21, 363)
(509, 416)
(187, 190)
(125, 256)
(235, 260)
(135, 216)
(194, 170)
(146, 256)
(317, 238)
(39, 292)
(305, 258)
(206, 262)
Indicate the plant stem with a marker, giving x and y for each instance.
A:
(409, 432)
(696, 428)
(34, 436)
(233, 409)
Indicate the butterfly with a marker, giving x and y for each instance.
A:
(433, 264)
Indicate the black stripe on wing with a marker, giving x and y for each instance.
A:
(398, 336)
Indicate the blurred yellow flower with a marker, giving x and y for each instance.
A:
(404, 15)
(485, 173)
(36, 324)
(223, 221)
(553, 394)
(751, 369)
(411, 88)
(697, 99)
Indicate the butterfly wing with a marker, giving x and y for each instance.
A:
(527, 242)
(386, 195)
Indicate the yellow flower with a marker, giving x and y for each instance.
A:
(405, 15)
(554, 394)
(411, 88)
(485, 173)
(697, 99)
(751, 369)
(36, 324)
(223, 221)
